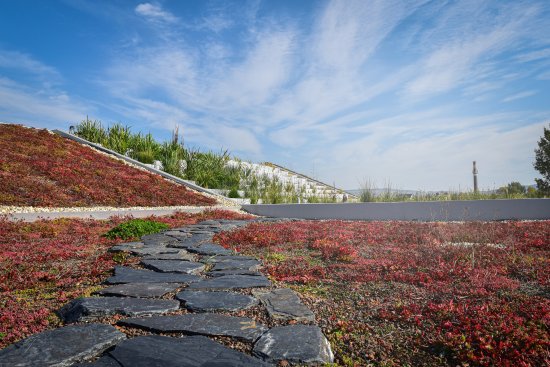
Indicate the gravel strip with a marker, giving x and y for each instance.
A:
(32, 209)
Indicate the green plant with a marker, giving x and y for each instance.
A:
(135, 228)
(542, 162)
(234, 194)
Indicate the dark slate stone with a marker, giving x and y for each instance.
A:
(209, 223)
(194, 241)
(295, 344)
(203, 301)
(153, 250)
(180, 255)
(129, 275)
(232, 282)
(215, 274)
(201, 323)
(90, 308)
(191, 351)
(126, 246)
(176, 233)
(236, 264)
(61, 347)
(156, 238)
(140, 290)
(284, 304)
(105, 361)
(174, 266)
(209, 249)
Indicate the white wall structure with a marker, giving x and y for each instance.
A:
(300, 182)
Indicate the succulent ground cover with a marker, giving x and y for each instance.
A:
(409, 294)
(44, 264)
(38, 168)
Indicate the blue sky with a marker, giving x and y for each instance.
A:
(400, 92)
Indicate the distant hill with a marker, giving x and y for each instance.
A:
(39, 168)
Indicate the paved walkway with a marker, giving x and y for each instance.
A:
(198, 275)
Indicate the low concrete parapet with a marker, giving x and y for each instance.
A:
(460, 210)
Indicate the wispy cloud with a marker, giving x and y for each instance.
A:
(155, 13)
(521, 95)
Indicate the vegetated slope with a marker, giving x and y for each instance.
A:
(38, 168)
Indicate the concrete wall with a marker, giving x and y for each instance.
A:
(483, 210)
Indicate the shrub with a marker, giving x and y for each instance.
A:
(135, 228)
(234, 194)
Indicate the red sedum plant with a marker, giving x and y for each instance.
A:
(44, 264)
(38, 168)
(403, 293)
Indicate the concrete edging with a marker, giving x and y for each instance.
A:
(463, 210)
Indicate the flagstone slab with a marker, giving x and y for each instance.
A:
(210, 249)
(91, 308)
(105, 361)
(174, 233)
(140, 290)
(205, 301)
(128, 275)
(194, 241)
(284, 304)
(173, 266)
(234, 264)
(180, 255)
(212, 324)
(215, 274)
(191, 351)
(223, 258)
(153, 250)
(304, 344)
(61, 347)
(126, 246)
(232, 282)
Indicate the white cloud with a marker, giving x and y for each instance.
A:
(22, 104)
(24, 62)
(520, 95)
(155, 12)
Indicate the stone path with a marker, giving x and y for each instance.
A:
(197, 275)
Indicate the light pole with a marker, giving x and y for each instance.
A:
(474, 171)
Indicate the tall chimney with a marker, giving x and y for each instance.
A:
(474, 171)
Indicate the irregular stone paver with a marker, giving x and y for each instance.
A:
(129, 275)
(105, 361)
(61, 347)
(236, 264)
(180, 255)
(191, 351)
(204, 301)
(210, 249)
(90, 308)
(201, 323)
(153, 250)
(140, 290)
(176, 234)
(233, 272)
(232, 282)
(126, 246)
(284, 304)
(193, 241)
(174, 266)
(156, 238)
(295, 344)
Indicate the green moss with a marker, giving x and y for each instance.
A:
(135, 228)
